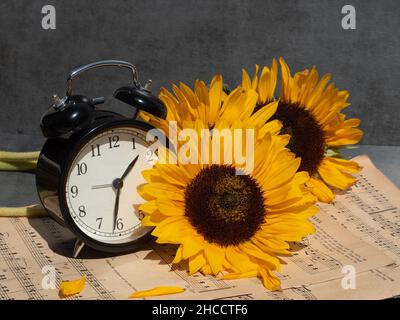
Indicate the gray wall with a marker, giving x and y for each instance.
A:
(183, 40)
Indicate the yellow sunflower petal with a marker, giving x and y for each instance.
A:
(71, 288)
(292, 204)
(345, 136)
(178, 255)
(246, 82)
(260, 117)
(161, 191)
(167, 230)
(321, 190)
(157, 291)
(169, 208)
(215, 257)
(148, 207)
(196, 263)
(200, 89)
(206, 270)
(273, 127)
(255, 252)
(270, 281)
(281, 173)
(172, 173)
(192, 245)
(240, 275)
(189, 94)
(254, 82)
(271, 244)
(334, 176)
(267, 83)
(215, 95)
(351, 123)
(343, 164)
(152, 220)
(239, 260)
(288, 230)
(286, 80)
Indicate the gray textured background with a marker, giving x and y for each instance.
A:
(186, 39)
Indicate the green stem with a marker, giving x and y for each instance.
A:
(28, 211)
(18, 166)
(19, 156)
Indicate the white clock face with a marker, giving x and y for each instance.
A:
(101, 188)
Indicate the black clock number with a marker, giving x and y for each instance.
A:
(82, 168)
(99, 220)
(113, 142)
(119, 224)
(134, 145)
(82, 212)
(96, 150)
(74, 191)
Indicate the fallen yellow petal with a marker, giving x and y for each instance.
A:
(70, 288)
(240, 275)
(157, 291)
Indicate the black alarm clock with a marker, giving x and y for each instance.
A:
(91, 163)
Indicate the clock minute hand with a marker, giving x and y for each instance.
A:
(131, 165)
(116, 208)
(118, 184)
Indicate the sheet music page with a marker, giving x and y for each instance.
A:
(361, 229)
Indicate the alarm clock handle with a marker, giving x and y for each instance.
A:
(98, 64)
(98, 100)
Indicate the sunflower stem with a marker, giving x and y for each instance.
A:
(19, 156)
(18, 166)
(27, 211)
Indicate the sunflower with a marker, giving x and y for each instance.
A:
(229, 224)
(211, 104)
(310, 110)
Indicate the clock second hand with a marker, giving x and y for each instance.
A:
(118, 184)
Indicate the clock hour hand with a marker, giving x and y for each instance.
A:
(131, 165)
(102, 186)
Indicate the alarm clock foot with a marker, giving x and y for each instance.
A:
(78, 248)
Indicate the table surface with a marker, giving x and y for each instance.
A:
(18, 189)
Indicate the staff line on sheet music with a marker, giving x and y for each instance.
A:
(381, 211)
(200, 286)
(367, 230)
(91, 279)
(18, 272)
(33, 248)
(80, 267)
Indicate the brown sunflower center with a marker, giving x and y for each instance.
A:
(307, 136)
(223, 207)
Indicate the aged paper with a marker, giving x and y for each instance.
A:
(361, 230)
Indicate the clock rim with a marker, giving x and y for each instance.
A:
(95, 244)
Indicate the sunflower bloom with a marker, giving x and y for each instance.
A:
(228, 224)
(211, 104)
(310, 111)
